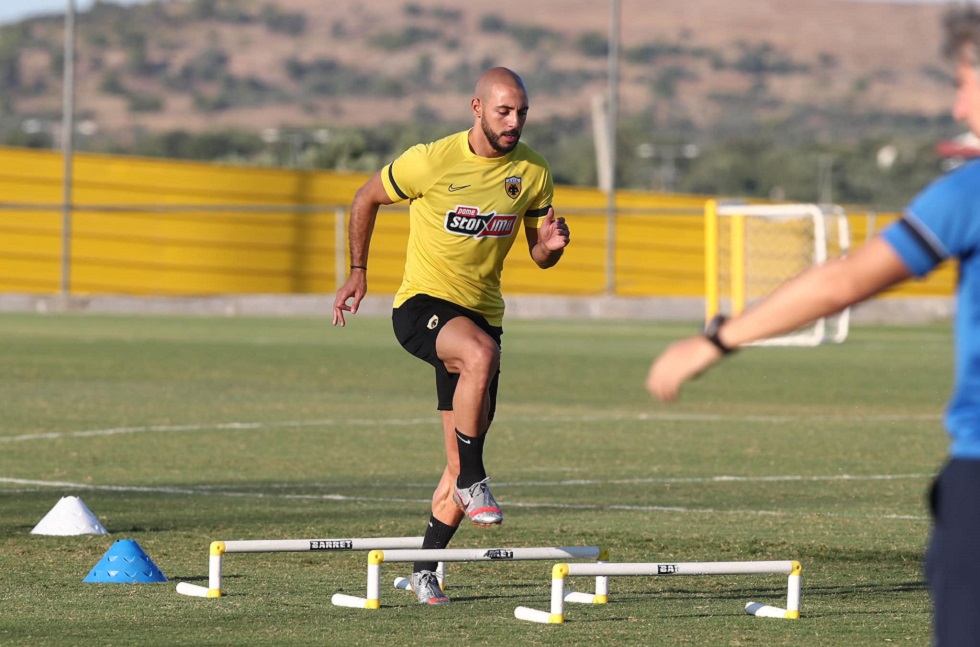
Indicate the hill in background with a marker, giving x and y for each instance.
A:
(692, 71)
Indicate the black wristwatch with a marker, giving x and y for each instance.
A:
(711, 334)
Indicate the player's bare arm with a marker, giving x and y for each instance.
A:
(816, 293)
(547, 243)
(363, 214)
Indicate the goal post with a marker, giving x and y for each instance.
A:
(751, 249)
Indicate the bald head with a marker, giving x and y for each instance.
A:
(499, 112)
(498, 76)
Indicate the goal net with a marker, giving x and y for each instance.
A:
(751, 249)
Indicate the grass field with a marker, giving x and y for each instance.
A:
(179, 431)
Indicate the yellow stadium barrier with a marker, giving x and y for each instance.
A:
(173, 228)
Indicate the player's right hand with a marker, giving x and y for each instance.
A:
(355, 287)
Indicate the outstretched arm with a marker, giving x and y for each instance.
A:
(547, 243)
(363, 213)
(817, 292)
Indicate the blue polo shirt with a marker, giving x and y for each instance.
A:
(944, 222)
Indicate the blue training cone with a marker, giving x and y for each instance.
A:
(125, 563)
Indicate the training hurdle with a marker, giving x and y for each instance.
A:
(377, 557)
(219, 548)
(560, 572)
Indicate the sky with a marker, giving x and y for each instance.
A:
(14, 10)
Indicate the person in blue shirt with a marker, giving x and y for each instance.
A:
(942, 222)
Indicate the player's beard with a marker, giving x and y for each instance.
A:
(494, 138)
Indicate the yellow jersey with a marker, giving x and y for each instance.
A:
(465, 213)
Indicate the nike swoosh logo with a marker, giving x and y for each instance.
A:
(464, 439)
(458, 188)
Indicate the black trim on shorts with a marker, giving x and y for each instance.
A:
(416, 332)
(419, 340)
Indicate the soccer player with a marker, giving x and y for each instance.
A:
(468, 195)
(942, 222)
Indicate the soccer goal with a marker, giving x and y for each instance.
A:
(752, 249)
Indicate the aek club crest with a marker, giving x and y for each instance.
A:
(512, 186)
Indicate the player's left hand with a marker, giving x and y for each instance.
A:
(682, 361)
(553, 233)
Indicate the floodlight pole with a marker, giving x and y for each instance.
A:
(67, 129)
(611, 137)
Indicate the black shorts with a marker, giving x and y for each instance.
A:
(417, 323)
(952, 569)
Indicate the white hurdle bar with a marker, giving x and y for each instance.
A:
(219, 548)
(562, 571)
(377, 557)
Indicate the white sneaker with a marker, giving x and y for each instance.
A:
(478, 504)
(425, 584)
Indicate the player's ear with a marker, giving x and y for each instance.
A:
(476, 105)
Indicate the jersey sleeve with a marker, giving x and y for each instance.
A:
(538, 209)
(404, 178)
(937, 225)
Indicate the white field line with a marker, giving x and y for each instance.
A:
(245, 426)
(389, 422)
(563, 506)
(714, 479)
(654, 480)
